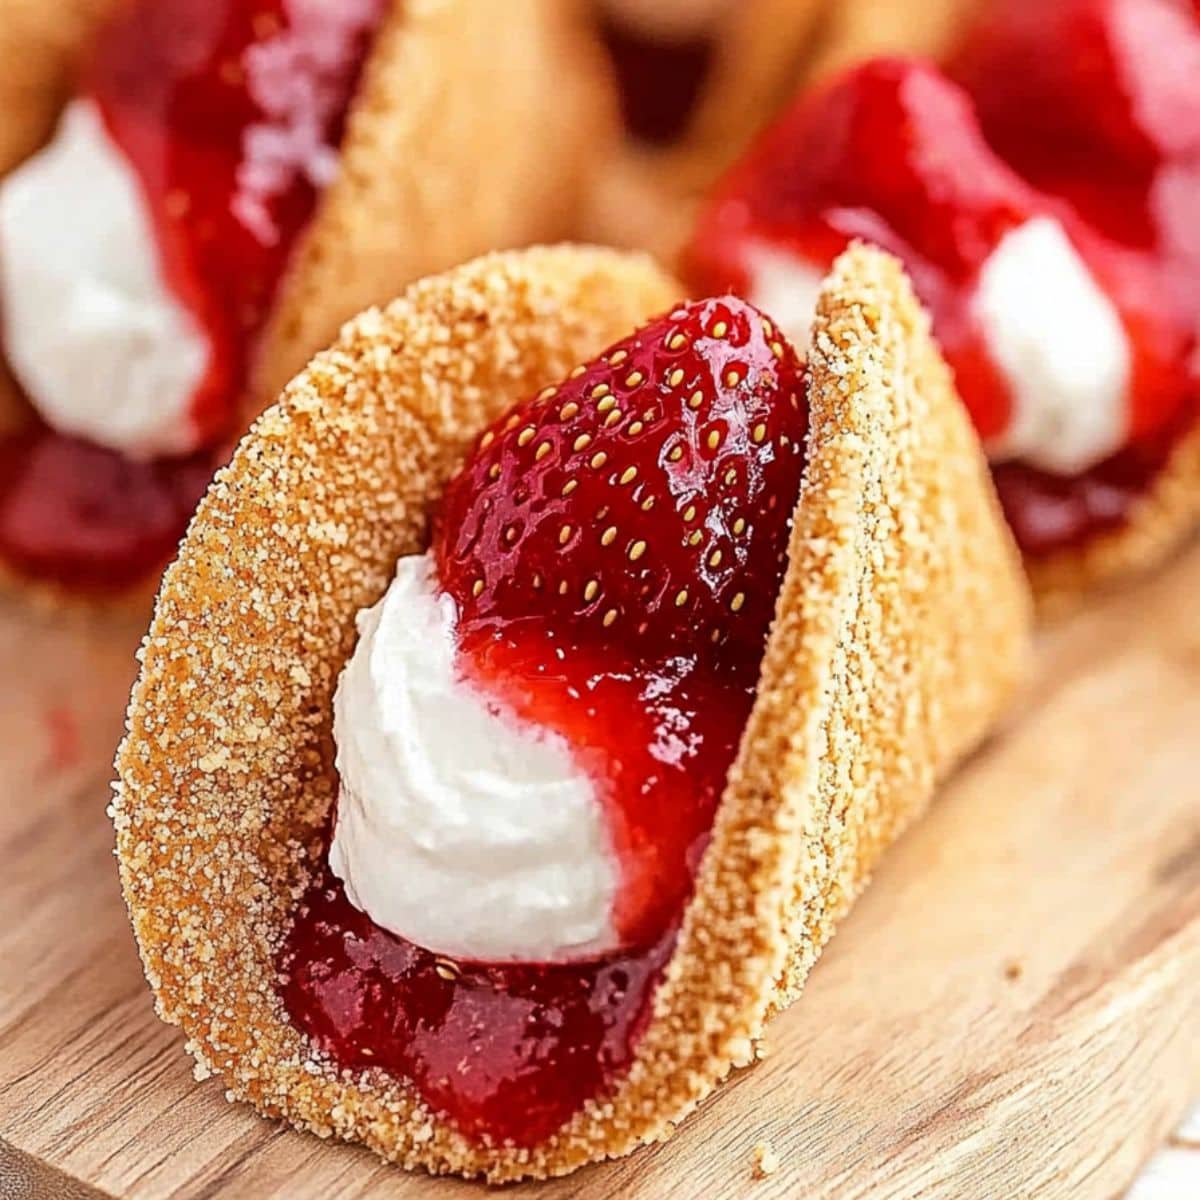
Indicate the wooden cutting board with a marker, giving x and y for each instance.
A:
(1012, 1010)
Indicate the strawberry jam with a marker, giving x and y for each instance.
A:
(614, 547)
(87, 518)
(230, 113)
(508, 1052)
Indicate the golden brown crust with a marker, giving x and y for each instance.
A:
(42, 43)
(858, 29)
(934, 627)
(901, 630)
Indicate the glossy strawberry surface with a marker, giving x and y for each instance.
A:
(1109, 84)
(229, 112)
(615, 547)
(892, 152)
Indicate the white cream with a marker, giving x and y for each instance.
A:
(1062, 347)
(91, 329)
(457, 827)
(785, 286)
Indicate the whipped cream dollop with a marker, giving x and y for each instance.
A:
(458, 827)
(91, 330)
(1061, 344)
(785, 286)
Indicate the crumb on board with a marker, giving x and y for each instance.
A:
(766, 1161)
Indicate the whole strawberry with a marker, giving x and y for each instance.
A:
(643, 501)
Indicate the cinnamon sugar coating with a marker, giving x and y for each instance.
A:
(901, 631)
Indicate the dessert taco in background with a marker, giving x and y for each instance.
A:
(221, 185)
(699, 79)
(696, 80)
(538, 687)
(1040, 190)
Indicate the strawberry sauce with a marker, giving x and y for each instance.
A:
(507, 1052)
(615, 578)
(87, 518)
(230, 113)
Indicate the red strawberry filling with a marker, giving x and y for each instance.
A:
(893, 152)
(614, 547)
(229, 114)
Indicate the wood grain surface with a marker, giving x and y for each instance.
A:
(1012, 1010)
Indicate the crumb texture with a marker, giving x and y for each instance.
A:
(765, 1161)
(900, 633)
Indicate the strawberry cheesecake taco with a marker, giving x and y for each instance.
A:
(537, 688)
(194, 195)
(1041, 191)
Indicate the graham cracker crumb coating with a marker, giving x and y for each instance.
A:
(764, 1160)
(901, 631)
